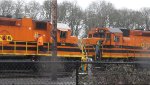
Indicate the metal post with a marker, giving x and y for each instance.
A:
(54, 37)
(2, 47)
(77, 73)
(15, 47)
(48, 48)
(54, 28)
(37, 48)
(26, 47)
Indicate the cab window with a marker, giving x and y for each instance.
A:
(108, 36)
(90, 35)
(99, 34)
(41, 25)
(116, 39)
(63, 34)
(7, 23)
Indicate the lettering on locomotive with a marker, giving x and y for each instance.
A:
(6, 38)
(145, 45)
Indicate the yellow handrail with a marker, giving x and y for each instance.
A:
(2, 47)
(26, 50)
(48, 47)
(37, 49)
(26, 47)
(14, 46)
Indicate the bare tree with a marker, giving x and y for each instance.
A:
(92, 18)
(146, 16)
(71, 14)
(46, 10)
(19, 9)
(7, 7)
(102, 14)
(99, 14)
(123, 18)
(32, 9)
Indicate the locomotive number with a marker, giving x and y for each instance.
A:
(6, 38)
(145, 45)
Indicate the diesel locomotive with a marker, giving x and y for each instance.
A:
(115, 43)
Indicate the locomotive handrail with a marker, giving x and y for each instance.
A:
(26, 47)
(22, 48)
(37, 49)
(2, 47)
(48, 49)
(13, 47)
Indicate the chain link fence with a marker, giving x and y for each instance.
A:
(73, 73)
(116, 73)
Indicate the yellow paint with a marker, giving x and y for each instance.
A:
(7, 37)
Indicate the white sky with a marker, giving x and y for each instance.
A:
(130, 4)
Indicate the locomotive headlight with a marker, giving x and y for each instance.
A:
(19, 24)
(29, 28)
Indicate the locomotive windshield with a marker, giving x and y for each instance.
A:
(41, 25)
(63, 34)
(99, 34)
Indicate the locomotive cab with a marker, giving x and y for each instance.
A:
(100, 40)
(113, 37)
(63, 33)
(101, 34)
(94, 41)
(98, 33)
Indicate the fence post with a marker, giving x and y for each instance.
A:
(77, 73)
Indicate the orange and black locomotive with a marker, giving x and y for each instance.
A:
(115, 43)
(18, 39)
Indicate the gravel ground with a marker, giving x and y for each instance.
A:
(117, 74)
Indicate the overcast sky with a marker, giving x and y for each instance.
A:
(119, 4)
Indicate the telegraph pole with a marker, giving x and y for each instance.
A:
(54, 38)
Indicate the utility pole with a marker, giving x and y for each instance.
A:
(54, 38)
(54, 28)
